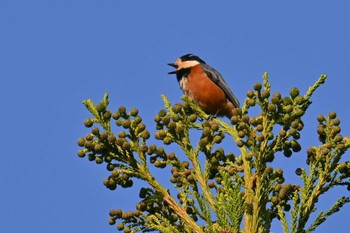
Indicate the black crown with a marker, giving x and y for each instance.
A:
(191, 57)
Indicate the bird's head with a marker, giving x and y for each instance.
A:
(185, 62)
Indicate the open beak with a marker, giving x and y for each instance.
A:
(173, 65)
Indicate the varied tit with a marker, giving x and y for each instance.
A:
(205, 86)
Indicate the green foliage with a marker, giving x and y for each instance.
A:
(219, 191)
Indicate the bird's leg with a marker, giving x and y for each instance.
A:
(211, 116)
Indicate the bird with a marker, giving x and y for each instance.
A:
(205, 86)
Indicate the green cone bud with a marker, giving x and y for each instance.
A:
(95, 131)
(88, 122)
(116, 115)
(81, 142)
(81, 153)
(271, 108)
(287, 101)
(177, 108)
(276, 98)
(133, 112)
(257, 86)
(336, 121)
(250, 94)
(107, 115)
(320, 118)
(162, 113)
(101, 107)
(265, 94)
(122, 110)
(294, 92)
(298, 171)
(332, 115)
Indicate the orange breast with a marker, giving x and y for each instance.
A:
(206, 93)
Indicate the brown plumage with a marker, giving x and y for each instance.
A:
(205, 86)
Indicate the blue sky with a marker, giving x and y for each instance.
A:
(54, 54)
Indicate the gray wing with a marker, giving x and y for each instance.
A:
(217, 78)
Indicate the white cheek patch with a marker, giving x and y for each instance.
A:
(187, 64)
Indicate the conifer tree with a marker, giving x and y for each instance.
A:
(218, 190)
